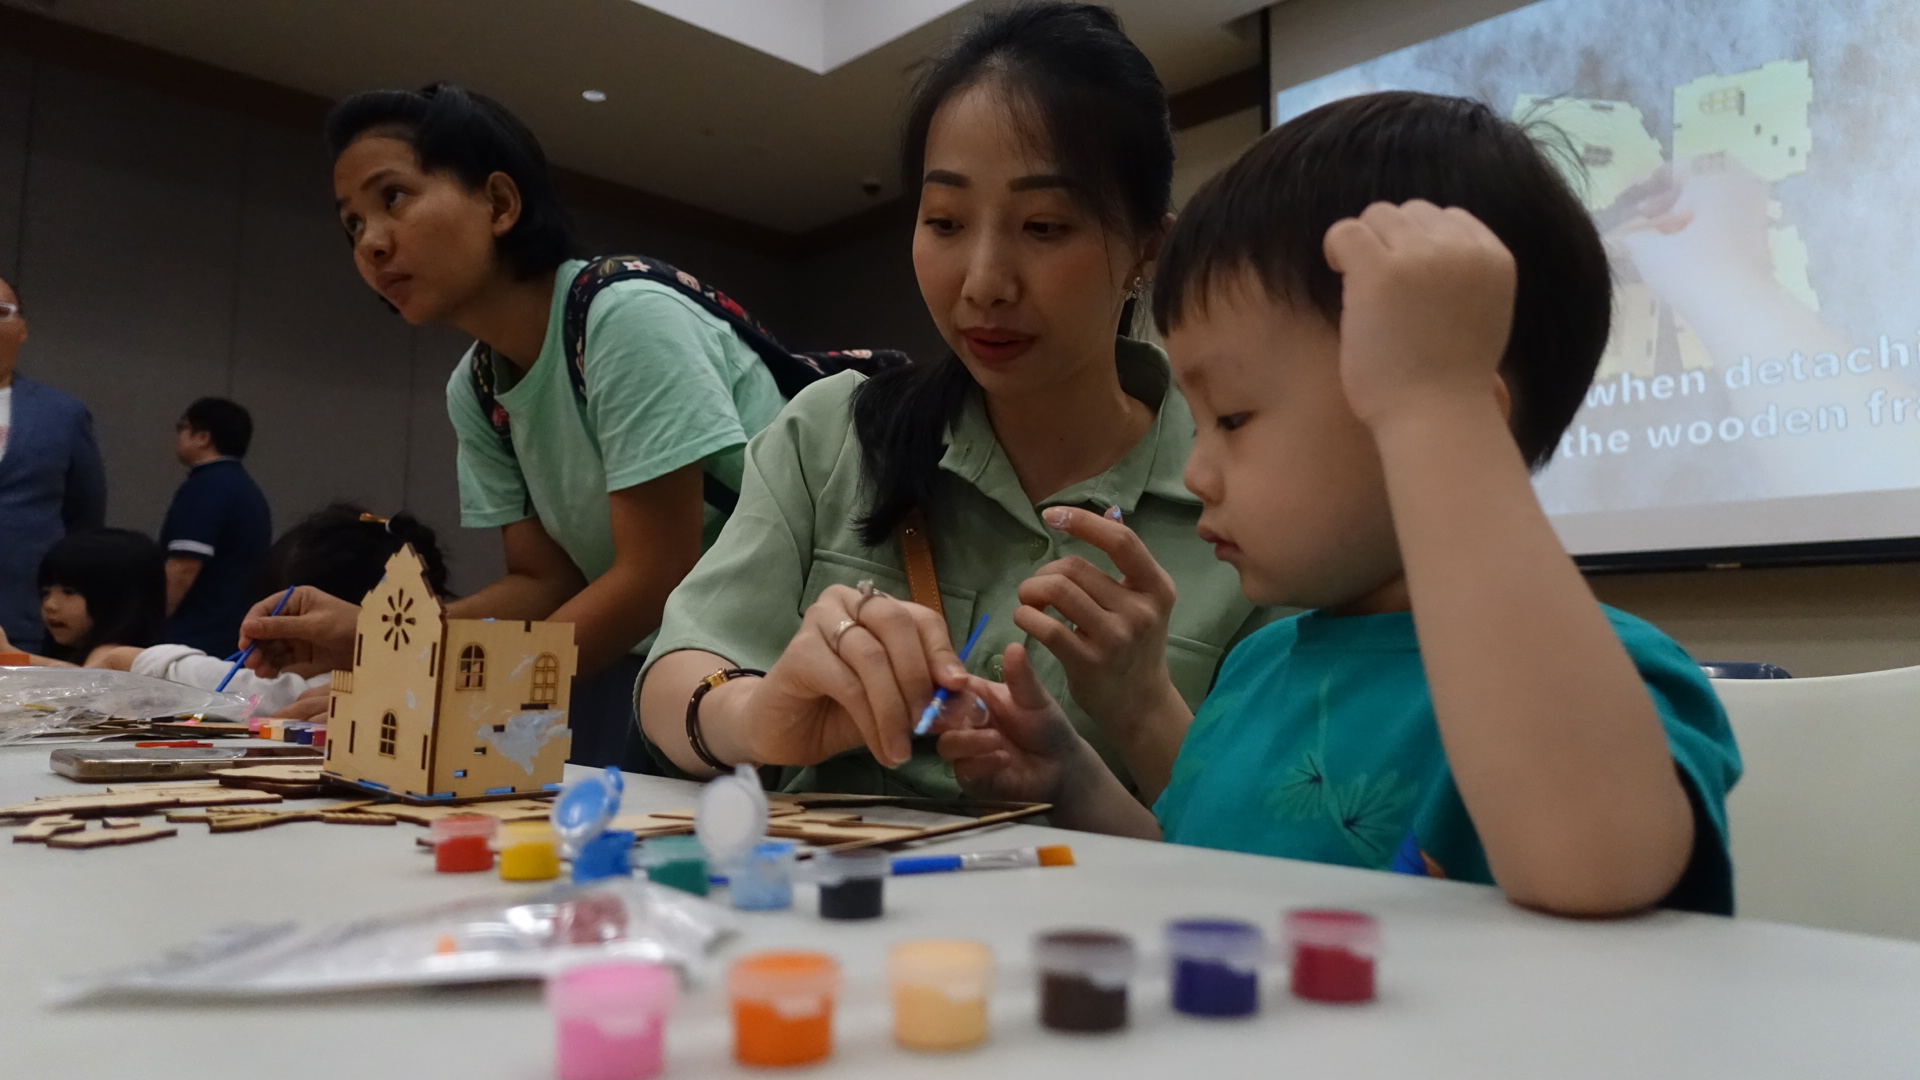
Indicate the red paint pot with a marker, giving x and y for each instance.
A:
(1333, 954)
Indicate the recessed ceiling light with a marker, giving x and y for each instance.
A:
(595, 96)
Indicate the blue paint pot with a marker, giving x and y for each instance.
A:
(1216, 966)
(763, 880)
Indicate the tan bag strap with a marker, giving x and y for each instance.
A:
(916, 549)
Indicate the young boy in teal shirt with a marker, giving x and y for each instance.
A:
(1383, 316)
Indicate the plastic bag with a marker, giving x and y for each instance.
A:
(480, 939)
(44, 701)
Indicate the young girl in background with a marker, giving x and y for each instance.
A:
(342, 551)
(99, 588)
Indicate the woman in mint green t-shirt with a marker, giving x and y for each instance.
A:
(599, 497)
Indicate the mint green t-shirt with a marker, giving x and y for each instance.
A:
(667, 385)
(1318, 742)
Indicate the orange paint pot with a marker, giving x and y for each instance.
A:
(783, 1007)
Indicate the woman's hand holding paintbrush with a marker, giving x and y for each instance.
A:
(312, 632)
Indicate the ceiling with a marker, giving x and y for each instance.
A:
(689, 114)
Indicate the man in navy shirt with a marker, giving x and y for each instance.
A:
(217, 531)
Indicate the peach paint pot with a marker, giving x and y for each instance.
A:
(783, 1007)
(940, 991)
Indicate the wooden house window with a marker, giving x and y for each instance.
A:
(546, 679)
(473, 669)
(389, 734)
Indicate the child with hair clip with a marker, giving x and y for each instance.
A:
(1383, 316)
(342, 551)
(99, 589)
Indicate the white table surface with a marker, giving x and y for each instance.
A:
(1470, 986)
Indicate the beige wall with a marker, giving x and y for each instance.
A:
(1819, 620)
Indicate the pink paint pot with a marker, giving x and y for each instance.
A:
(610, 1020)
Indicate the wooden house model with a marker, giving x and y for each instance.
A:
(447, 709)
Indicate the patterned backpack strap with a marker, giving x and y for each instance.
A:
(868, 362)
(480, 369)
(792, 372)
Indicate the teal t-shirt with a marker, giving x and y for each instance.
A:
(1318, 742)
(667, 385)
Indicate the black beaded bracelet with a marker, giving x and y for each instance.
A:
(693, 713)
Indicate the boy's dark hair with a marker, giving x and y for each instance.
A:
(472, 136)
(343, 551)
(228, 422)
(1269, 212)
(1077, 86)
(122, 575)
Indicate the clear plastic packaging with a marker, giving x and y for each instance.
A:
(480, 939)
(37, 702)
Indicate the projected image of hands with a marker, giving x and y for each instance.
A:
(1752, 179)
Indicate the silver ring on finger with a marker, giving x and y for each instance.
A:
(866, 593)
(838, 632)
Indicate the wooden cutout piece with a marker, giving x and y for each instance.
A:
(228, 797)
(120, 823)
(272, 774)
(167, 788)
(517, 810)
(284, 791)
(44, 828)
(241, 822)
(835, 835)
(201, 729)
(90, 805)
(210, 793)
(356, 817)
(643, 826)
(94, 838)
(1001, 818)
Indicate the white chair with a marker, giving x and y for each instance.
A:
(1825, 822)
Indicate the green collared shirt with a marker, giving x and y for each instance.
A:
(794, 533)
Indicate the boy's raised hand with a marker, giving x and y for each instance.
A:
(1427, 307)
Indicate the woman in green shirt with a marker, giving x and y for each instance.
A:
(1040, 147)
(599, 494)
